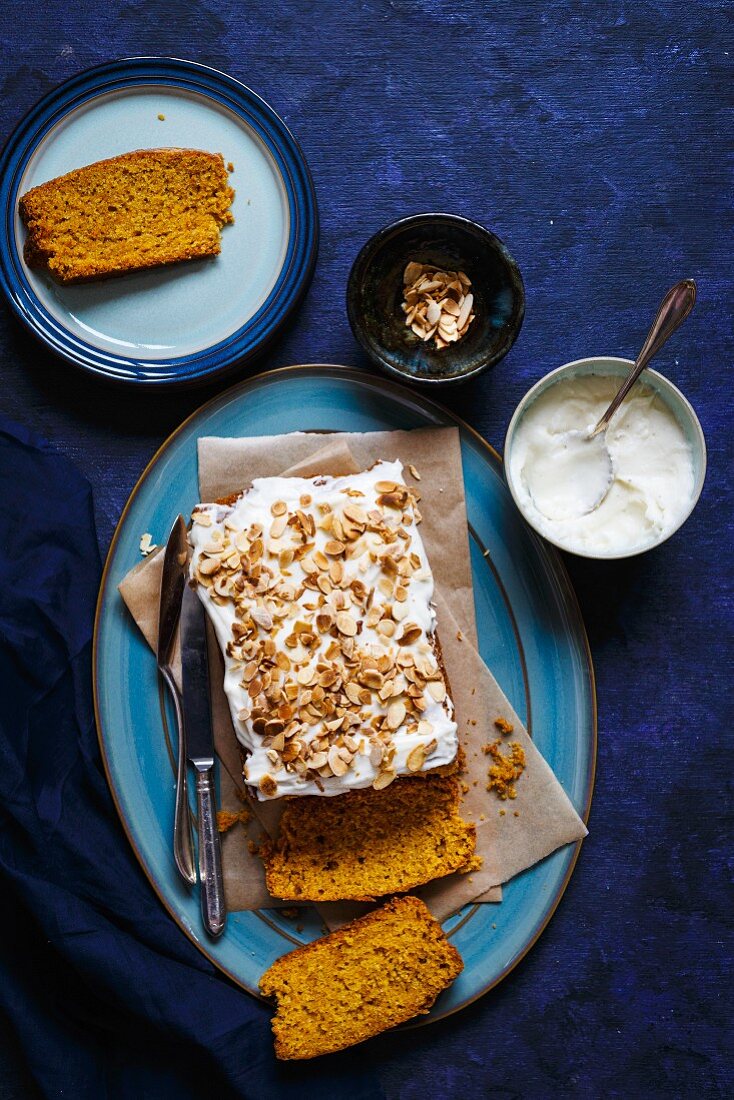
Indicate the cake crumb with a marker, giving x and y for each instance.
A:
(226, 819)
(161, 118)
(507, 768)
(230, 166)
(504, 726)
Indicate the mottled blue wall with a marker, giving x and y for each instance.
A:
(596, 140)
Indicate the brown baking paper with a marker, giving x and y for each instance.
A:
(541, 819)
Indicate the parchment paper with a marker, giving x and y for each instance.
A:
(541, 819)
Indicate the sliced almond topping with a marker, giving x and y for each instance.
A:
(337, 763)
(353, 693)
(346, 624)
(203, 519)
(278, 526)
(268, 785)
(376, 754)
(416, 758)
(411, 633)
(437, 690)
(279, 508)
(262, 617)
(396, 714)
(209, 566)
(334, 548)
(383, 779)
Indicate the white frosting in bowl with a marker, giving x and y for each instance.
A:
(653, 479)
(383, 585)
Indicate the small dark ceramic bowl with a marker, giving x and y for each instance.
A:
(375, 294)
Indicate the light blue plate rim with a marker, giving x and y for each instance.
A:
(537, 891)
(301, 252)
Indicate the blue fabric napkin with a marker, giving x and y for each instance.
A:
(105, 996)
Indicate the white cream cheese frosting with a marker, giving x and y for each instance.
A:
(652, 467)
(320, 593)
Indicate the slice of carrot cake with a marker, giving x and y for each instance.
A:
(320, 593)
(370, 975)
(371, 844)
(139, 210)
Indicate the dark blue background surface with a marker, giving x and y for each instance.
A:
(596, 141)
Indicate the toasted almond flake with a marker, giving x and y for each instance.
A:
(209, 566)
(396, 714)
(376, 754)
(353, 693)
(465, 311)
(412, 272)
(411, 633)
(413, 472)
(203, 519)
(334, 548)
(416, 758)
(243, 714)
(146, 544)
(386, 486)
(437, 690)
(279, 508)
(337, 763)
(278, 526)
(262, 617)
(400, 611)
(346, 624)
(383, 779)
(318, 760)
(267, 785)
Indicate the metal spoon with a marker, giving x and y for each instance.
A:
(588, 445)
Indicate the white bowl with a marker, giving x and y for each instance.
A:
(610, 365)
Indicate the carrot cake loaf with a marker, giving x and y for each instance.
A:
(371, 844)
(320, 593)
(139, 210)
(370, 975)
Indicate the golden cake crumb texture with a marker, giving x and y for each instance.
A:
(367, 844)
(366, 977)
(139, 210)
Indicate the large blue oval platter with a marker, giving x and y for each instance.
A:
(530, 634)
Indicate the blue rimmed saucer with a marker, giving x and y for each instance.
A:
(188, 322)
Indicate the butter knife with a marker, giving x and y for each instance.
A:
(200, 749)
(173, 582)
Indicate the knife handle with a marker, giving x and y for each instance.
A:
(213, 908)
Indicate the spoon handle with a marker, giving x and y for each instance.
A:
(674, 308)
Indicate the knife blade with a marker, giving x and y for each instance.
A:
(173, 582)
(200, 750)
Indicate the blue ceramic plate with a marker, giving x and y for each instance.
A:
(530, 634)
(183, 323)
